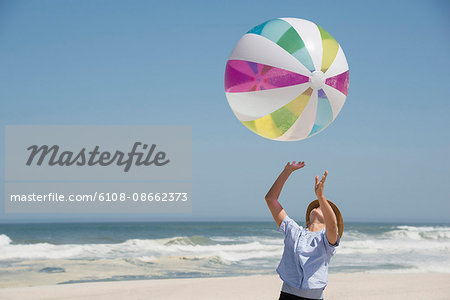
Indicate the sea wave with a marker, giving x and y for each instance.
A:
(393, 246)
(198, 246)
(367, 248)
(190, 240)
(419, 233)
(399, 239)
(4, 240)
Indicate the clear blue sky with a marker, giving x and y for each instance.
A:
(162, 63)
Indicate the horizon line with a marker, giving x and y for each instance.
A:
(216, 220)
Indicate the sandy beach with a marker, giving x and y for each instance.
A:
(260, 287)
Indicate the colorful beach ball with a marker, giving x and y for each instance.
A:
(287, 79)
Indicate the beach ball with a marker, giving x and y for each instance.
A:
(286, 79)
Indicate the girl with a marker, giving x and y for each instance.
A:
(307, 251)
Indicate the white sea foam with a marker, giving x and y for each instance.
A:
(400, 249)
(420, 233)
(393, 246)
(147, 258)
(390, 249)
(177, 246)
(4, 240)
(400, 239)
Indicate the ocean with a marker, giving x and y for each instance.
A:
(35, 254)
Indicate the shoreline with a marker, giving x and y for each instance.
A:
(259, 287)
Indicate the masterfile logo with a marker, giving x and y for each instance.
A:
(98, 152)
(53, 156)
(98, 169)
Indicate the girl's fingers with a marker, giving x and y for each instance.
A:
(324, 177)
(299, 163)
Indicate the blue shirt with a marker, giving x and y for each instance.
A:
(306, 256)
(309, 294)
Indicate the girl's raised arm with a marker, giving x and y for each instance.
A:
(275, 207)
(331, 228)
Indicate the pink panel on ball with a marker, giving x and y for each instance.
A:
(339, 82)
(247, 76)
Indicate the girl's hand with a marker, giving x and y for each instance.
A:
(320, 185)
(291, 167)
